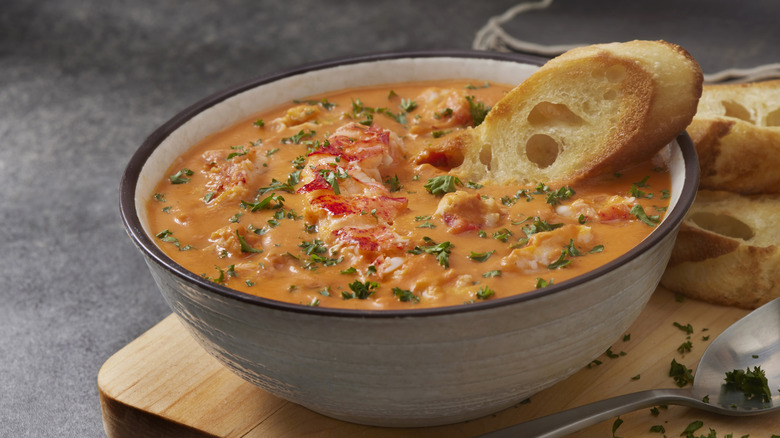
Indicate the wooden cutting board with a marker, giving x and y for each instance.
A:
(164, 384)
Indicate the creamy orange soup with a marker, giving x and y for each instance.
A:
(332, 201)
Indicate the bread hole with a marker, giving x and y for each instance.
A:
(733, 109)
(723, 224)
(542, 150)
(773, 118)
(486, 156)
(616, 73)
(547, 113)
(611, 94)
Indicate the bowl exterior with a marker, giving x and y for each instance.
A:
(418, 371)
(406, 369)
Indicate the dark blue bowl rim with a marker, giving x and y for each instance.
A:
(136, 232)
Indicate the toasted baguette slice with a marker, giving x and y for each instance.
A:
(727, 250)
(736, 131)
(592, 110)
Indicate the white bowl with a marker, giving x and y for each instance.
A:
(417, 367)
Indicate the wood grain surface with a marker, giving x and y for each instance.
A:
(164, 384)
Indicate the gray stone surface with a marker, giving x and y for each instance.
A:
(81, 85)
(82, 82)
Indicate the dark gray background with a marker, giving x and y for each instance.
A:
(81, 85)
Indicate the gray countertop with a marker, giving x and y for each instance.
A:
(81, 85)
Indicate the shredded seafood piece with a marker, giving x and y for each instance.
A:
(464, 211)
(545, 248)
(345, 200)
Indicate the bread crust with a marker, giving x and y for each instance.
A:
(736, 132)
(593, 110)
(728, 262)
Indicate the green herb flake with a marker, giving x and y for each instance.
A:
(405, 295)
(440, 250)
(657, 429)
(541, 282)
(245, 247)
(484, 293)
(640, 214)
(481, 256)
(440, 185)
(181, 177)
(296, 139)
(360, 290)
(753, 383)
(693, 427)
(688, 329)
(478, 110)
(681, 374)
(615, 425)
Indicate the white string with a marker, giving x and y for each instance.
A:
(493, 37)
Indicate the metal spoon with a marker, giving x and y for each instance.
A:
(752, 341)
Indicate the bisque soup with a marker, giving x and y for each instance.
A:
(337, 200)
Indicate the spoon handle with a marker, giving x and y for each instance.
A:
(572, 420)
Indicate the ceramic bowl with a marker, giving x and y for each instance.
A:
(417, 367)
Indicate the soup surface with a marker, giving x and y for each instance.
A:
(338, 201)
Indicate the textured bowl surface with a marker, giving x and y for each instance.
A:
(416, 367)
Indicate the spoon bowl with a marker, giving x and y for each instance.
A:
(753, 341)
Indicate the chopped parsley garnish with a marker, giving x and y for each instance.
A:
(296, 139)
(541, 282)
(166, 236)
(478, 110)
(693, 427)
(316, 246)
(475, 87)
(446, 112)
(408, 105)
(554, 197)
(640, 214)
(245, 247)
(502, 234)
(271, 202)
(538, 225)
(181, 177)
(440, 185)
(752, 383)
(322, 102)
(332, 177)
(473, 185)
(299, 162)
(658, 428)
(405, 295)
(596, 249)
(392, 183)
(160, 197)
(685, 347)
(440, 250)
(288, 186)
(481, 256)
(350, 270)
(564, 259)
(491, 274)
(688, 329)
(360, 290)
(241, 151)
(681, 374)
(258, 123)
(485, 292)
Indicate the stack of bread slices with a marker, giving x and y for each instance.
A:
(727, 250)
